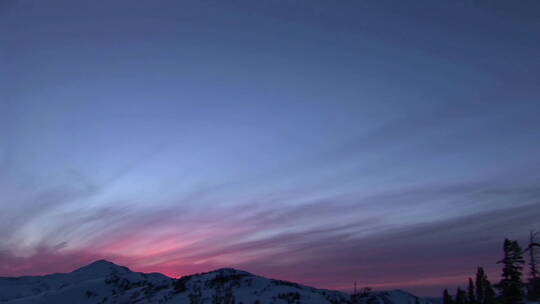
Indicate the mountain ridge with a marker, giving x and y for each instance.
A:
(103, 282)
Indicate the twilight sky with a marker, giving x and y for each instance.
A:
(395, 143)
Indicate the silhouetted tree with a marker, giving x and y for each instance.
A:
(533, 288)
(362, 295)
(447, 298)
(490, 296)
(485, 294)
(481, 277)
(511, 285)
(471, 296)
(533, 263)
(461, 296)
(365, 292)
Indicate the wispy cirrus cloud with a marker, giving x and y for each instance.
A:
(310, 142)
(294, 241)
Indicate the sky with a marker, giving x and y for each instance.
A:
(392, 143)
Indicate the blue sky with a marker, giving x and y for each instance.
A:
(181, 136)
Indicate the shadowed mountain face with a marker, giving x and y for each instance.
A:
(106, 282)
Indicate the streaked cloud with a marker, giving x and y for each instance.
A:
(310, 142)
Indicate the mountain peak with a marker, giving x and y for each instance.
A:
(105, 282)
(230, 270)
(101, 262)
(102, 266)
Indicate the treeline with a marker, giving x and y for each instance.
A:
(479, 292)
(511, 289)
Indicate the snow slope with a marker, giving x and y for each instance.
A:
(105, 282)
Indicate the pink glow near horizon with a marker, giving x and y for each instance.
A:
(66, 262)
(175, 256)
(280, 243)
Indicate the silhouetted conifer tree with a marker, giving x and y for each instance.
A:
(461, 296)
(511, 285)
(490, 296)
(481, 277)
(533, 288)
(447, 298)
(471, 296)
(533, 244)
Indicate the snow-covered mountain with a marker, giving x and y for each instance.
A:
(106, 282)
